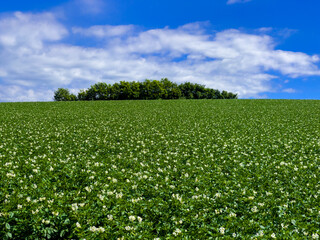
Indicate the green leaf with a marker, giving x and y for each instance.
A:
(7, 226)
(67, 221)
(62, 233)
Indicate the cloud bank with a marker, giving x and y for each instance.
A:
(36, 57)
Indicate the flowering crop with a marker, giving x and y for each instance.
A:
(184, 169)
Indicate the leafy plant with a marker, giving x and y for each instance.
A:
(242, 169)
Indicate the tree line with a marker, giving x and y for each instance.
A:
(146, 90)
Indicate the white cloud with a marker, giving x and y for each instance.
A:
(15, 93)
(89, 6)
(30, 30)
(237, 1)
(228, 60)
(289, 90)
(105, 31)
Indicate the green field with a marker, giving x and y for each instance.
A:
(178, 169)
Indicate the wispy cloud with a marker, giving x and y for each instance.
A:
(35, 61)
(105, 31)
(289, 90)
(76, 8)
(91, 6)
(237, 1)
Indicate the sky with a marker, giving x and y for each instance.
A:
(255, 48)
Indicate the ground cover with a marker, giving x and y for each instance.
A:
(178, 169)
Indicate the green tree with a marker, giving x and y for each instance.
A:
(115, 91)
(83, 95)
(199, 91)
(73, 97)
(232, 95)
(187, 90)
(102, 91)
(125, 90)
(224, 94)
(135, 88)
(172, 90)
(62, 94)
(157, 90)
(148, 89)
(145, 89)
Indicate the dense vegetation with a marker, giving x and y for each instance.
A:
(146, 90)
(226, 169)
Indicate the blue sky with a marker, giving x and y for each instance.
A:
(256, 48)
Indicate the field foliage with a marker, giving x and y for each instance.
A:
(179, 169)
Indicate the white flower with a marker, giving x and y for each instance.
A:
(78, 225)
(139, 219)
(132, 218)
(101, 197)
(45, 221)
(176, 232)
(222, 230)
(11, 175)
(110, 217)
(254, 209)
(74, 207)
(34, 212)
(128, 228)
(232, 214)
(95, 229)
(119, 195)
(315, 236)
(19, 206)
(273, 235)
(136, 200)
(176, 196)
(260, 233)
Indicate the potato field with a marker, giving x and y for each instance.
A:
(175, 169)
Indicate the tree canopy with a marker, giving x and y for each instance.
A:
(148, 89)
(62, 94)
